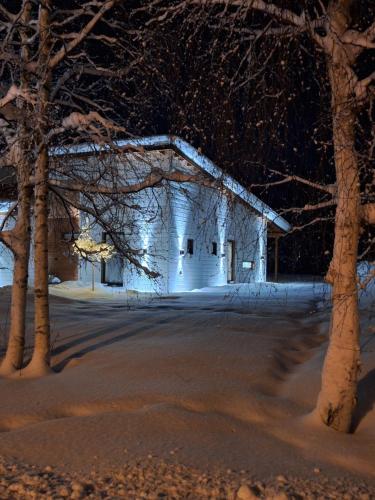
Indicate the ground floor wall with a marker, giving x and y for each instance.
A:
(213, 240)
(61, 261)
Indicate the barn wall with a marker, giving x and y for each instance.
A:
(150, 233)
(196, 213)
(143, 228)
(205, 215)
(173, 215)
(6, 266)
(249, 232)
(6, 259)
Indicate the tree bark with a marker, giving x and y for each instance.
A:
(20, 246)
(337, 398)
(40, 361)
(21, 233)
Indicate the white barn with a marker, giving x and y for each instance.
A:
(192, 235)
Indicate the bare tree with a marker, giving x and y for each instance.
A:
(59, 63)
(339, 34)
(53, 82)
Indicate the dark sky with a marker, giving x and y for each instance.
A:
(250, 107)
(252, 110)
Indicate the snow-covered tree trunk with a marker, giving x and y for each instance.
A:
(41, 355)
(20, 246)
(20, 239)
(337, 398)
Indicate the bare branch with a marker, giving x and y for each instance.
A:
(80, 121)
(271, 9)
(363, 284)
(6, 238)
(13, 93)
(368, 213)
(361, 87)
(65, 49)
(8, 215)
(311, 207)
(330, 189)
(8, 15)
(358, 39)
(152, 180)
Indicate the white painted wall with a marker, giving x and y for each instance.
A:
(206, 216)
(176, 213)
(196, 213)
(6, 259)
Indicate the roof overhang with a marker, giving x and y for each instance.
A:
(192, 155)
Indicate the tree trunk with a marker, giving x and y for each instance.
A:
(337, 398)
(21, 234)
(21, 250)
(41, 356)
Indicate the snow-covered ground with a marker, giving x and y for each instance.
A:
(215, 379)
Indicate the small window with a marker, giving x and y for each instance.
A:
(248, 265)
(214, 248)
(190, 247)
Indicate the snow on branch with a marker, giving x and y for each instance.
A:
(271, 9)
(80, 121)
(330, 189)
(13, 93)
(358, 39)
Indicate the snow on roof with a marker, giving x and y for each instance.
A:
(194, 156)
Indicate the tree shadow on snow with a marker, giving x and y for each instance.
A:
(60, 365)
(366, 398)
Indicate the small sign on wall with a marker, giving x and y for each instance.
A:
(248, 264)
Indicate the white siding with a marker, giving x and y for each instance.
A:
(249, 232)
(150, 233)
(6, 266)
(143, 229)
(206, 216)
(6, 259)
(172, 215)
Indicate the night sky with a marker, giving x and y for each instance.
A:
(248, 111)
(249, 106)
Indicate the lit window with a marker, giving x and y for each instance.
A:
(214, 248)
(248, 265)
(190, 247)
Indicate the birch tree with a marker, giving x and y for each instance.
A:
(59, 63)
(50, 78)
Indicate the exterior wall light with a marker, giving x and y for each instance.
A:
(182, 252)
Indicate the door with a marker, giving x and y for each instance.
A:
(230, 261)
(113, 269)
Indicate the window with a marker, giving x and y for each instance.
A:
(248, 265)
(190, 247)
(214, 248)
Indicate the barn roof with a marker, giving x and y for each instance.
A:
(192, 155)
